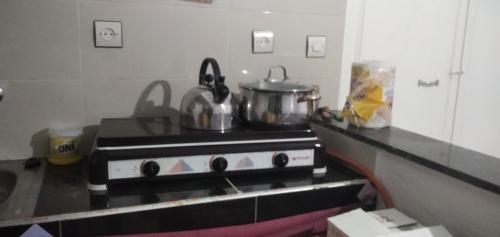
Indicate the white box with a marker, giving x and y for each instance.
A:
(381, 223)
(434, 231)
(392, 218)
(355, 223)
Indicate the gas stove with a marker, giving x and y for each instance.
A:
(153, 149)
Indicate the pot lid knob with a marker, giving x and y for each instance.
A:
(270, 73)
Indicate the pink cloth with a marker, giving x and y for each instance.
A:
(308, 224)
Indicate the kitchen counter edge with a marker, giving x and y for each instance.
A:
(469, 166)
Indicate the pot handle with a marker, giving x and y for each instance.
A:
(314, 97)
(269, 74)
(312, 104)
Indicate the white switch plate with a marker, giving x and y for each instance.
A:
(316, 46)
(108, 34)
(263, 41)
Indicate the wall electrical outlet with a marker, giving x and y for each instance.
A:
(316, 46)
(108, 34)
(263, 41)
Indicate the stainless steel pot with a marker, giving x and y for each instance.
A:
(277, 102)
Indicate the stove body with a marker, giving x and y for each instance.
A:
(154, 149)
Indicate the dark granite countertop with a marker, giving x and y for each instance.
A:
(473, 167)
(64, 195)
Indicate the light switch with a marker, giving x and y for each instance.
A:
(108, 34)
(263, 41)
(316, 46)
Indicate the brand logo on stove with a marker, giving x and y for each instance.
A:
(301, 158)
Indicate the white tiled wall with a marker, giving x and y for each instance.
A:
(53, 74)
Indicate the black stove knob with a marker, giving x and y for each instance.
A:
(280, 160)
(150, 168)
(219, 164)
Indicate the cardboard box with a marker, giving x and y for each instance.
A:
(381, 223)
(393, 219)
(356, 223)
(434, 231)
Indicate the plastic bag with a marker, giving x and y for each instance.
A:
(369, 103)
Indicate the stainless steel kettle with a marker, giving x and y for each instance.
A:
(210, 105)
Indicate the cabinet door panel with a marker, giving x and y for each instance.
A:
(419, 38)
(478, 114)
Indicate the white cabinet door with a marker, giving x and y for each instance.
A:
(478, 109)
(420, 38)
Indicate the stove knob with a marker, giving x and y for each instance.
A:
(280, 160)
(150, 168)
(219, 164)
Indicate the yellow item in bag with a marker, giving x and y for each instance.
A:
(372, 100)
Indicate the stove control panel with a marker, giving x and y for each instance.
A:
(199, 164)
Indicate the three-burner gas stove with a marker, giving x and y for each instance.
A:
(153, 149)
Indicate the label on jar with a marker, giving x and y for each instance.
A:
(64, 147)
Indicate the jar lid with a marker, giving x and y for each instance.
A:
(270, 84)
(65, 130)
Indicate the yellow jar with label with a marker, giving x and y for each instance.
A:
(64, 145)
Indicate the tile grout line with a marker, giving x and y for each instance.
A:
(60, 228)
(80, 52)
(226, 8)
(255, 210)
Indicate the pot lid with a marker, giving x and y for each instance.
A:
(270, 84)
(276, 86)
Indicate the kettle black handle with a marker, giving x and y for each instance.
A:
(219, 90)
(203, 70)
